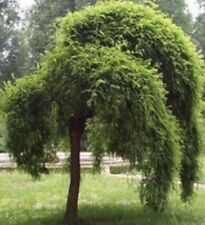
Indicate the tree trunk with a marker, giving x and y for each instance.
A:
(76, 128)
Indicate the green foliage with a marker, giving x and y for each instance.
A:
(28, 123)
(43, 19)
(125, 169)
(177, 10)
(199, 33)
(41, 25)
(135, 75)
(3, 134)
(12, 44)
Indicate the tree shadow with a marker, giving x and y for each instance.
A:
(53, 218)
(120, 215)
(136, 215)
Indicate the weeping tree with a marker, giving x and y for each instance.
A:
(129, 77)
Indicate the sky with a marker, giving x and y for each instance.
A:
(193, 7)
(25, 3)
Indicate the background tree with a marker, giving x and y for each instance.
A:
(13, 51)
(42, 23)
(198, 31)
(12, 46)
(126, 71)
(177, 10)
(201, 3)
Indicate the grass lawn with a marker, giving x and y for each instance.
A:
(202, 169)
(104, 200)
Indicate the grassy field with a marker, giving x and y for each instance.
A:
(202, 169)
(104, 200)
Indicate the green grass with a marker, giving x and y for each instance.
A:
(202, 169)
(104, 200)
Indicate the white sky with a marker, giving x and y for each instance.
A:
(25, 3)
(193, 7)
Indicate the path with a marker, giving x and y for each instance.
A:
(86, 161)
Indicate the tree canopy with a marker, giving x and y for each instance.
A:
(43, 14)
(127, 73)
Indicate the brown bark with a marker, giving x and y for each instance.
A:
(76, 128)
